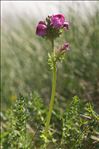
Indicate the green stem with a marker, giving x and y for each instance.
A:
(52, 94)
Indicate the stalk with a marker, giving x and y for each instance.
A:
(52, 94)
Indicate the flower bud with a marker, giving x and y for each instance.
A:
(64, 48)
(41, 29)
(66, 25)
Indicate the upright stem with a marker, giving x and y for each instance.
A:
(52, 94)
(53, 46)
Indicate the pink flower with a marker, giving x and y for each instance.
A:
(57, 20)
(41, 29)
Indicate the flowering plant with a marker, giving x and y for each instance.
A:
(74, 124)
(50, 29)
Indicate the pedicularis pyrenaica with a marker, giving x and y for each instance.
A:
(50, 29)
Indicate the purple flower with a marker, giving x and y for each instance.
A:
(52, 27)
(64, 48)
(41, 29)
(57, 20)
(66, 25)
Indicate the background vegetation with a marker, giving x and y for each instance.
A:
(24, 59)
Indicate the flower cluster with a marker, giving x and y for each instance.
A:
(52, 27)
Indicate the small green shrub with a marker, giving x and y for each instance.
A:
(76, 127)
(79, 123)
(15, 134)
